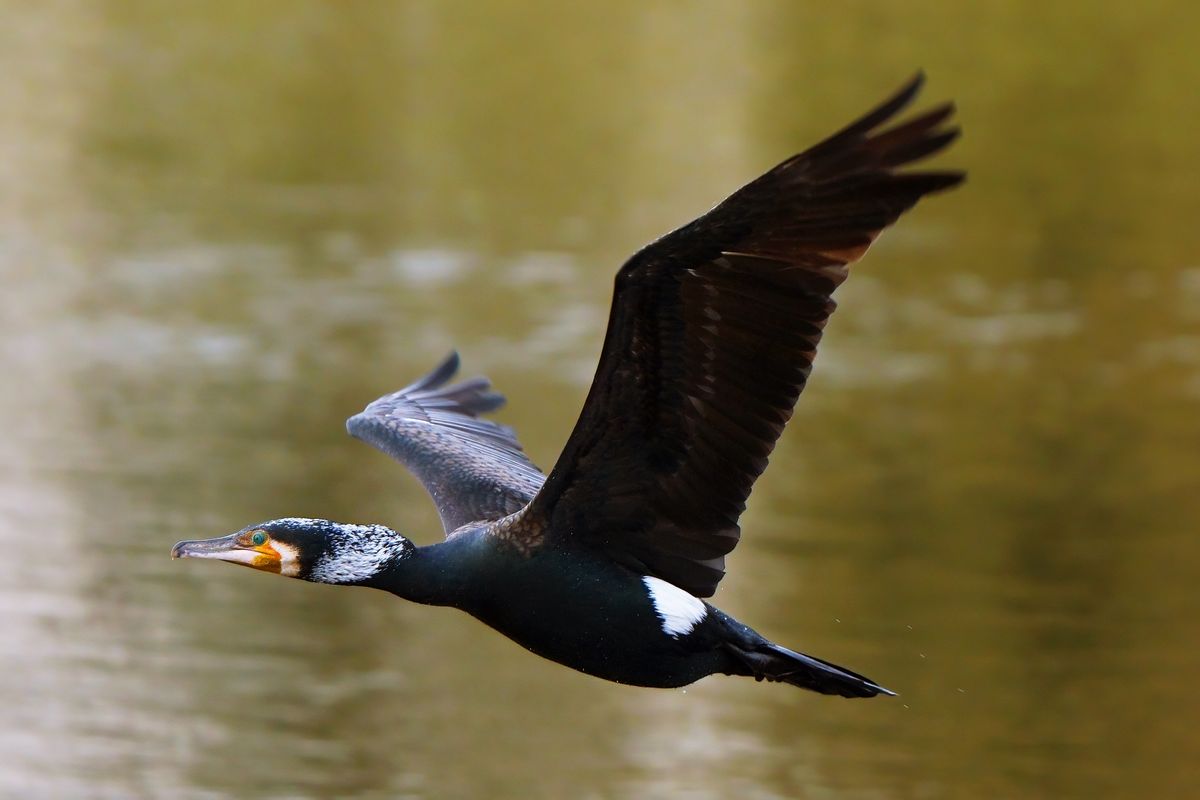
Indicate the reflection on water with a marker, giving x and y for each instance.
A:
(225, 228)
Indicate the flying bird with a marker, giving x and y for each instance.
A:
(605, 564)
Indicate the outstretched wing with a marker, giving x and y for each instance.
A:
(473, 468)
(711, 338)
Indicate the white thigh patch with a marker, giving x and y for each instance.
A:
(679, 611)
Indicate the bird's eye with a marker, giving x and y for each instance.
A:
(259, 538)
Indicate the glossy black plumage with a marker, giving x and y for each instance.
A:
(711, 338)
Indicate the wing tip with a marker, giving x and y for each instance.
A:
(934, 181)
(472, 397)
(475, 396)
(912, 87)
(893, 105)
(867, 125)
(444, 371)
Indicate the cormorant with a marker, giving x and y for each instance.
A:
(602, 565)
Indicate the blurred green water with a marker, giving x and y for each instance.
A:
(225, 227)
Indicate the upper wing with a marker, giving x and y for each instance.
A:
(711, 337)
(473, 468)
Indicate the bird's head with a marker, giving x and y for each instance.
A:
(312, 549)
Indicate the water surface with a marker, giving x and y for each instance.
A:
(226, 227)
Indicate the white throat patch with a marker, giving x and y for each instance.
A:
(289, 559)
(679, 611)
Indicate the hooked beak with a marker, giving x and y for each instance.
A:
(232, 548)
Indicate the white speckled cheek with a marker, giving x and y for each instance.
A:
(360, 552)
(679, 611)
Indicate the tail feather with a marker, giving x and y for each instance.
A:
(774, 663)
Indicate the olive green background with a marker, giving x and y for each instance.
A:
(225, 226)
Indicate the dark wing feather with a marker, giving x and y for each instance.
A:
(711, 338)
(473, 468)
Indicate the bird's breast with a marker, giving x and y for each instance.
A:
(592, 615)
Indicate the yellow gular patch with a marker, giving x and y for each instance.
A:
(260, 556)
(263, 557)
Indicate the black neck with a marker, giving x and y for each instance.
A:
(427, 576)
